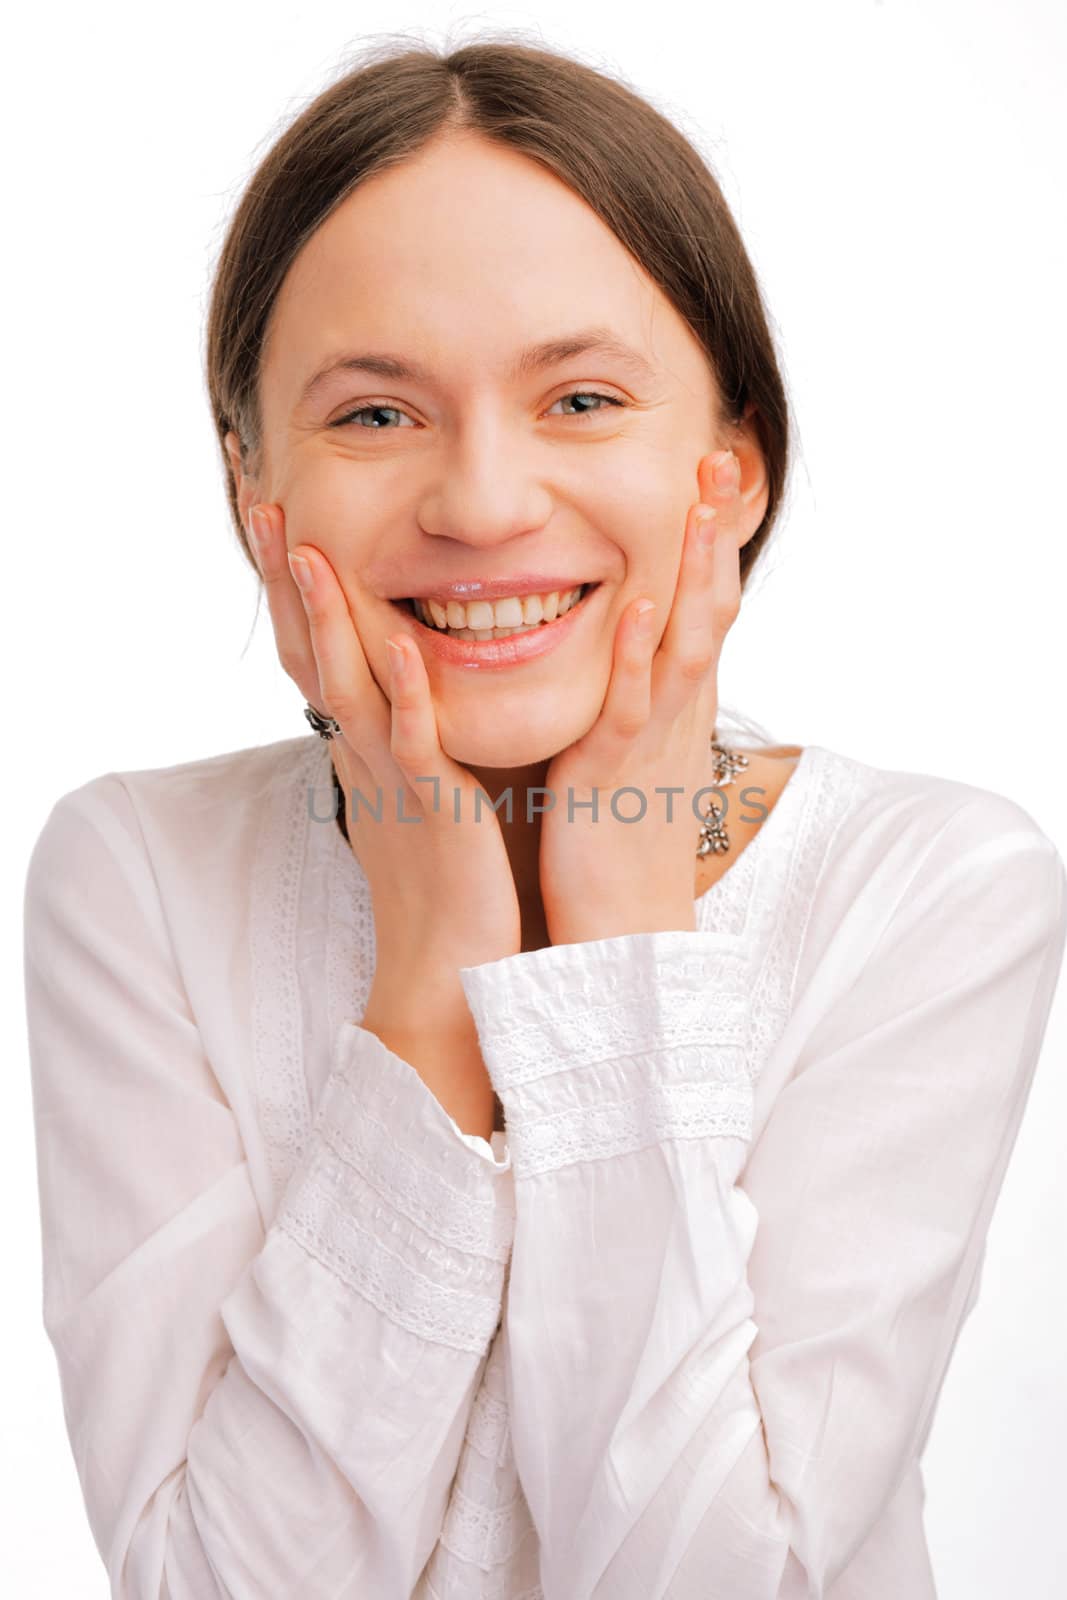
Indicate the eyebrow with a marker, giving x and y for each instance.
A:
(548, 353)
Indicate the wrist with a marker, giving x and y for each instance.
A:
(580, 927)
(447, 1056)
(412, 1007)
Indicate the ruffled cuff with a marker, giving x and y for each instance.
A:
(387, 1196)
(606, 1046)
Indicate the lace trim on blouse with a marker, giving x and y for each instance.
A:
(756, 908)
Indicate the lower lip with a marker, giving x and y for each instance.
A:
(509, 652)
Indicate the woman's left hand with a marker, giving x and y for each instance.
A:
(607, 877)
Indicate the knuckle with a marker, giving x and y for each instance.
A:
(694, 667)
(314, 610)
(404, 751)
(340, 704)
(402, 731)
(630, 723)
(293, 662)
(273, 576)
(726, 610)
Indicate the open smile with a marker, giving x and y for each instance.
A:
(518, 630)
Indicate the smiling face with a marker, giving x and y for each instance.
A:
(455, 263)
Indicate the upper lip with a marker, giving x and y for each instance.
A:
(464, 589)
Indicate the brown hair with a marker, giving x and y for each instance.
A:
(626, 160)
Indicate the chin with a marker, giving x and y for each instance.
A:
(515, 742)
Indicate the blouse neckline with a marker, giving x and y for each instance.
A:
(788, 796)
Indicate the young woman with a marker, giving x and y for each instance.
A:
(491, 373)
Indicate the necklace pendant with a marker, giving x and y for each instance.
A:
(713, 837)
(712, 834)
(727, 763)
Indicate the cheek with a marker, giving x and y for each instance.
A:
(645, 500)
(321, 510)
(650, 531)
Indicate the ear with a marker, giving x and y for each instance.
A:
(743, 440)
(245, 486)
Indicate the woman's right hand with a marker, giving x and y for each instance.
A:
(442, 891)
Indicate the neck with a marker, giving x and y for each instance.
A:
(522, 834)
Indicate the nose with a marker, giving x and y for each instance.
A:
(483, 491)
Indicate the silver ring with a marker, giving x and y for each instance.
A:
(325, 727)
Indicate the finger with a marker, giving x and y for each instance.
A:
(719, 480)
(691, 642)
(628, 701)
(414, 739)
(291, 634)
(346, 687)
(726, 547)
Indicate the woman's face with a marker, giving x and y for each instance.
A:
(456, 263)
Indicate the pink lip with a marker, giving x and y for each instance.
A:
(492, 588)
(509, 652)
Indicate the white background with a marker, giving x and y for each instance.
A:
(897, 172)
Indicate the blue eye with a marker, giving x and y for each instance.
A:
(588, 394)
(368, 411)
(394, 411)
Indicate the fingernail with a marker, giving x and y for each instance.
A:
(301, 570)
(705, 521)
(397, 659)
(259, 530)
(643, 611)
(727, 471)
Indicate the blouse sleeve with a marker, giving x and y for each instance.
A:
(252, 1410)
(723, 1353)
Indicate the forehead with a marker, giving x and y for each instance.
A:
(465, 254)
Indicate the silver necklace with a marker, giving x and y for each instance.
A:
(713, 836)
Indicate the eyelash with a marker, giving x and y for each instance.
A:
(585, 394)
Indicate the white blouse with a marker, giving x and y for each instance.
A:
(679, 1333)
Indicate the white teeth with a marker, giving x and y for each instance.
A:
(508, 613)
(495, 619)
